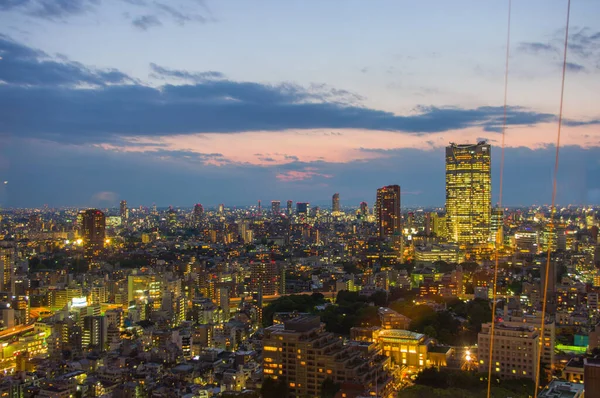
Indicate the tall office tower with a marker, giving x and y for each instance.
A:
(335, 203)
(198, 212)
(388, 211)
(7, 267)
(468, 192)
(289, 207)
(221, 208)
(302, 208)
(364, 209)
(275, 207)
(93, 232)
(302, 354)
(497, 226)
(124, 212)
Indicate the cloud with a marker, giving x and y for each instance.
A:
(154, 11)
(43, 98)
(105, 198)
(536, 48)
(21, 65)
(573, 67)
(54, 10)
(160, 72)
(307, 173)
(145, 22)
(179, 17)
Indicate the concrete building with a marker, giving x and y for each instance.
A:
(303, 354)
(515, 350)
(591, 377)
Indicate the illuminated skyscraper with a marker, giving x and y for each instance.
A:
(468, 192)
(388, 211)
(93, 231)
(335, 203)
(289, 207)
(275, 207)
(124, 212)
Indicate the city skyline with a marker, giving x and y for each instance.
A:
(306, 122)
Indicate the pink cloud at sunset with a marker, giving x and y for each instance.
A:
(299, 175)
(263, 148)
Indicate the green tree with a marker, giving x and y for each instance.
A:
(274, 388)
(329, 388)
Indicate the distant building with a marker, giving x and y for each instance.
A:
(388, 211)
(93, 232)
(198, 212)
(289, 205)
(275, 207)
(364, 209)
(335, 203)
(468, 192)
(123, 211)
(302, 208)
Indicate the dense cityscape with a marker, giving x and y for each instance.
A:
(287, 299)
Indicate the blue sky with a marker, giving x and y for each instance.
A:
(179, 102)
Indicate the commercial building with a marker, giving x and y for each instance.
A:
(468, 192)
(591, 377)
(515, 350)
(427, 255)
(335, 203)
(93, 232)
(275, 207)
(303, 354)
(123, 211)
(388, 211)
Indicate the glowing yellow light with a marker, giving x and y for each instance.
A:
(79, 241)
(107, 241)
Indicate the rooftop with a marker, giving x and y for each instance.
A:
(562, 389)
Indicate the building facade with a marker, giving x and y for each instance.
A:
(468, 192)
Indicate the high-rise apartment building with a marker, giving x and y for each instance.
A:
(497, 226)
(95, 332)
(303, 354)
(388, 211)
(198, 212)
(7, 267)
(123, 211)
(265, 274)
(514, 352)
(468, 192)
(275, 207)
(335, 203)
(364, 209)
(93, 232)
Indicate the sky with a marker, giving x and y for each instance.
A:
(197, 101)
